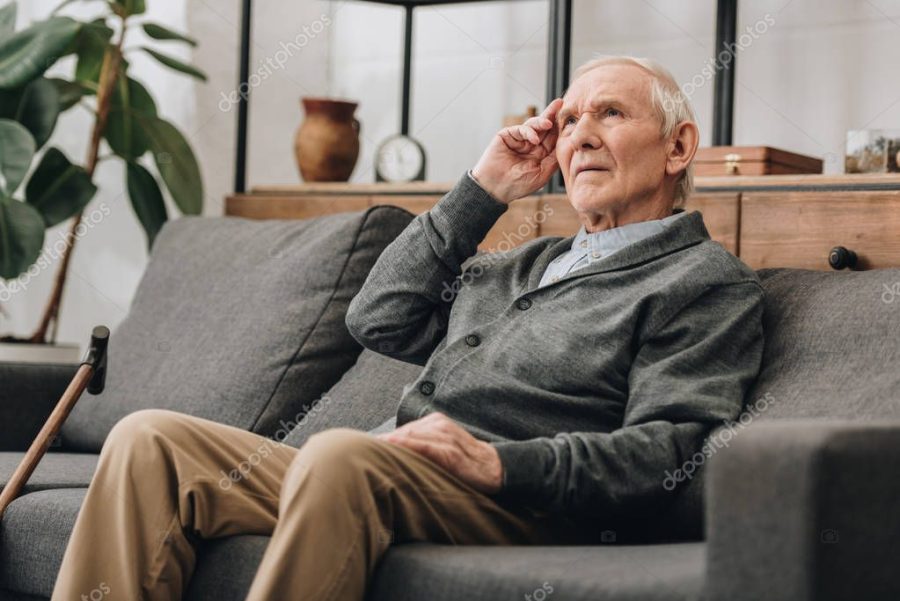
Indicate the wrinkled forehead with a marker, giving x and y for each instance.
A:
(624, 84)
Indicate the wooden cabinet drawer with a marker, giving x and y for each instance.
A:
(721, 215)
(256, 206)
(558, 216)
(516, 226)
(799, 229)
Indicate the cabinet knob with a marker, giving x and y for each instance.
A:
(842, 257)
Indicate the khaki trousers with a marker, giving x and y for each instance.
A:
(332, 508)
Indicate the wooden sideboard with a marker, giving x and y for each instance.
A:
(767, 221)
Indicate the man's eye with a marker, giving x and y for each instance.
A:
(613, 112)
(570, 120)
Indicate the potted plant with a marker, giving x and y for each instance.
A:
(42, 187)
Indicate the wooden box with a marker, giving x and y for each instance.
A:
(752, 160)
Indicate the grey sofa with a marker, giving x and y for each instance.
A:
(242, 322)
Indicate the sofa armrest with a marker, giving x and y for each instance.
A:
(28, 393)
(805, 510)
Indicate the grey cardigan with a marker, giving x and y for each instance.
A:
(593, 388)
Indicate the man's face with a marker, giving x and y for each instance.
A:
(610, 150)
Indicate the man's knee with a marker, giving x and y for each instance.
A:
(338, 445)
(146, 424)
(336, 454)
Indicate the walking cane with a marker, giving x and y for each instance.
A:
(91, 374)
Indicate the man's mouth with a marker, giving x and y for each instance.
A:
(581, 170)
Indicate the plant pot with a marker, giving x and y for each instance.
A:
(22, 352)
(326, 144)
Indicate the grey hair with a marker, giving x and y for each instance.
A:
(670, 103)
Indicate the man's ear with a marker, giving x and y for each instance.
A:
(681, 147)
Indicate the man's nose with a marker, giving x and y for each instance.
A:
(584, 136)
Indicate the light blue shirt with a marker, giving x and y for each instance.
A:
(590, 247)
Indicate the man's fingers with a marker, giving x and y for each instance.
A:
(514, 140)
(549, 141)
(425, 432)
(539, 123)
(549, 112)
(549, 165)
(552, 109)
(526, 133)
(434, 451)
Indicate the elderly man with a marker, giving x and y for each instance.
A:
(561, 384)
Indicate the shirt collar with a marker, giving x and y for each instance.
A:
(598, 245)
(688, 230)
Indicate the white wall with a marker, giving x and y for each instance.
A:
(821, 67)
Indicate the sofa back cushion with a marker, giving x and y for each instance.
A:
(364, 398)
(238, 321)
(832, 345)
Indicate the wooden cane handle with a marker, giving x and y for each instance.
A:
(45, 437)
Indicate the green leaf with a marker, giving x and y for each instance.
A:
(70, 92)
(146, 199)
(16, 152)
(9, 103)
(159, 32)
(28, 53)
(127, 138)
(39, 109)
(21, 237)
(91, 46)
(127, 8)
(174, 63)
(58, 189)
(175, 162)
(8, 19)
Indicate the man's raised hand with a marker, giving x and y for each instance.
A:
(520, 159)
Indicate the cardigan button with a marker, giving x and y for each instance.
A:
(473, 340)
(426, 387)
(523, 304)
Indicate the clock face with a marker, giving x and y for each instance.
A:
(400, 159)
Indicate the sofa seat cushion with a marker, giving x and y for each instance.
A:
(597, 573)
(36, 527)
(365, 397)
(56, 470)
(412, 572)
(239, 321)
(226, 567)
(14, 596)
(34, 532)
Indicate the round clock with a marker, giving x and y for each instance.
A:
(400, 159)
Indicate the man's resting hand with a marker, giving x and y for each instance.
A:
(444, 442)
